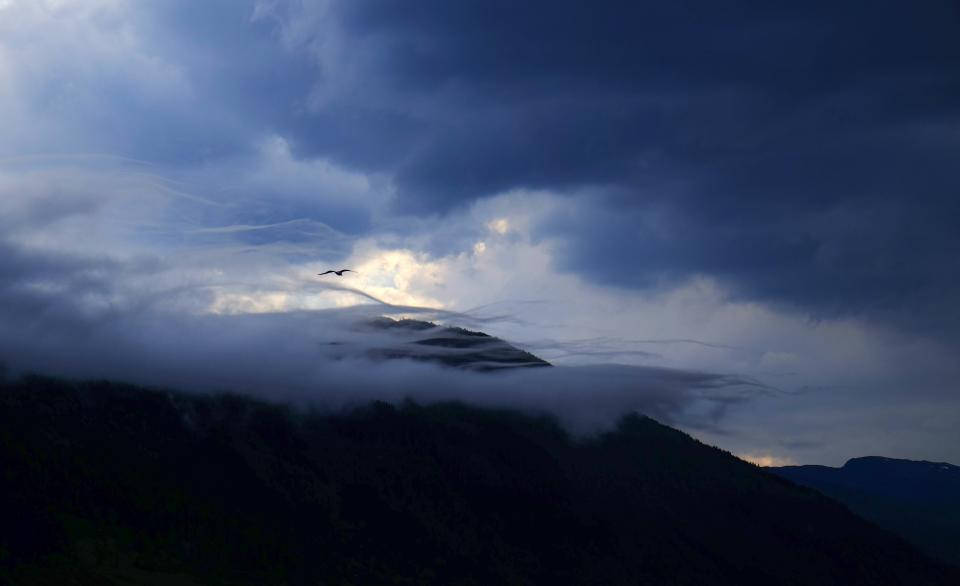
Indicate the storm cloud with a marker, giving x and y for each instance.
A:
(803, 155)
(763, 190)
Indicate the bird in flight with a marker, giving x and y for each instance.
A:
(337, 273)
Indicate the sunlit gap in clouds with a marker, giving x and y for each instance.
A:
(121, 269)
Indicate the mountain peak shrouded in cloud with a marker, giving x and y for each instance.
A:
(331, 358)
(451, 346)
(764, 189)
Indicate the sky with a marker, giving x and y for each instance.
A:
(740, 219)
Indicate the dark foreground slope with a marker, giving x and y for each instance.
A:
(919, 500)
(110, 484)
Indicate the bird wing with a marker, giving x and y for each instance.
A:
(326, 272)
(346, 271)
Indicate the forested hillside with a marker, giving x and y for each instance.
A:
(105, 483)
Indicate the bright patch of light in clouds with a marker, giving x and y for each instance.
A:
(400, 277)
(766, 460)
(500, 226)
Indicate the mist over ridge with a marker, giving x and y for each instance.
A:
(341, 357)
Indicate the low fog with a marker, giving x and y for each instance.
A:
(328, 359)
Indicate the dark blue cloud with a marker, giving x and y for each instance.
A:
(803, 154)
(550, 94)
(865, 261)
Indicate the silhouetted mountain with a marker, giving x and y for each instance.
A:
(450, 346)
(104, 483)
(919, 500)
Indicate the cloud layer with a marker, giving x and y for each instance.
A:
(765, 190)
(64, 318)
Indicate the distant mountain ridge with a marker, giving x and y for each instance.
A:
(917, 499)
